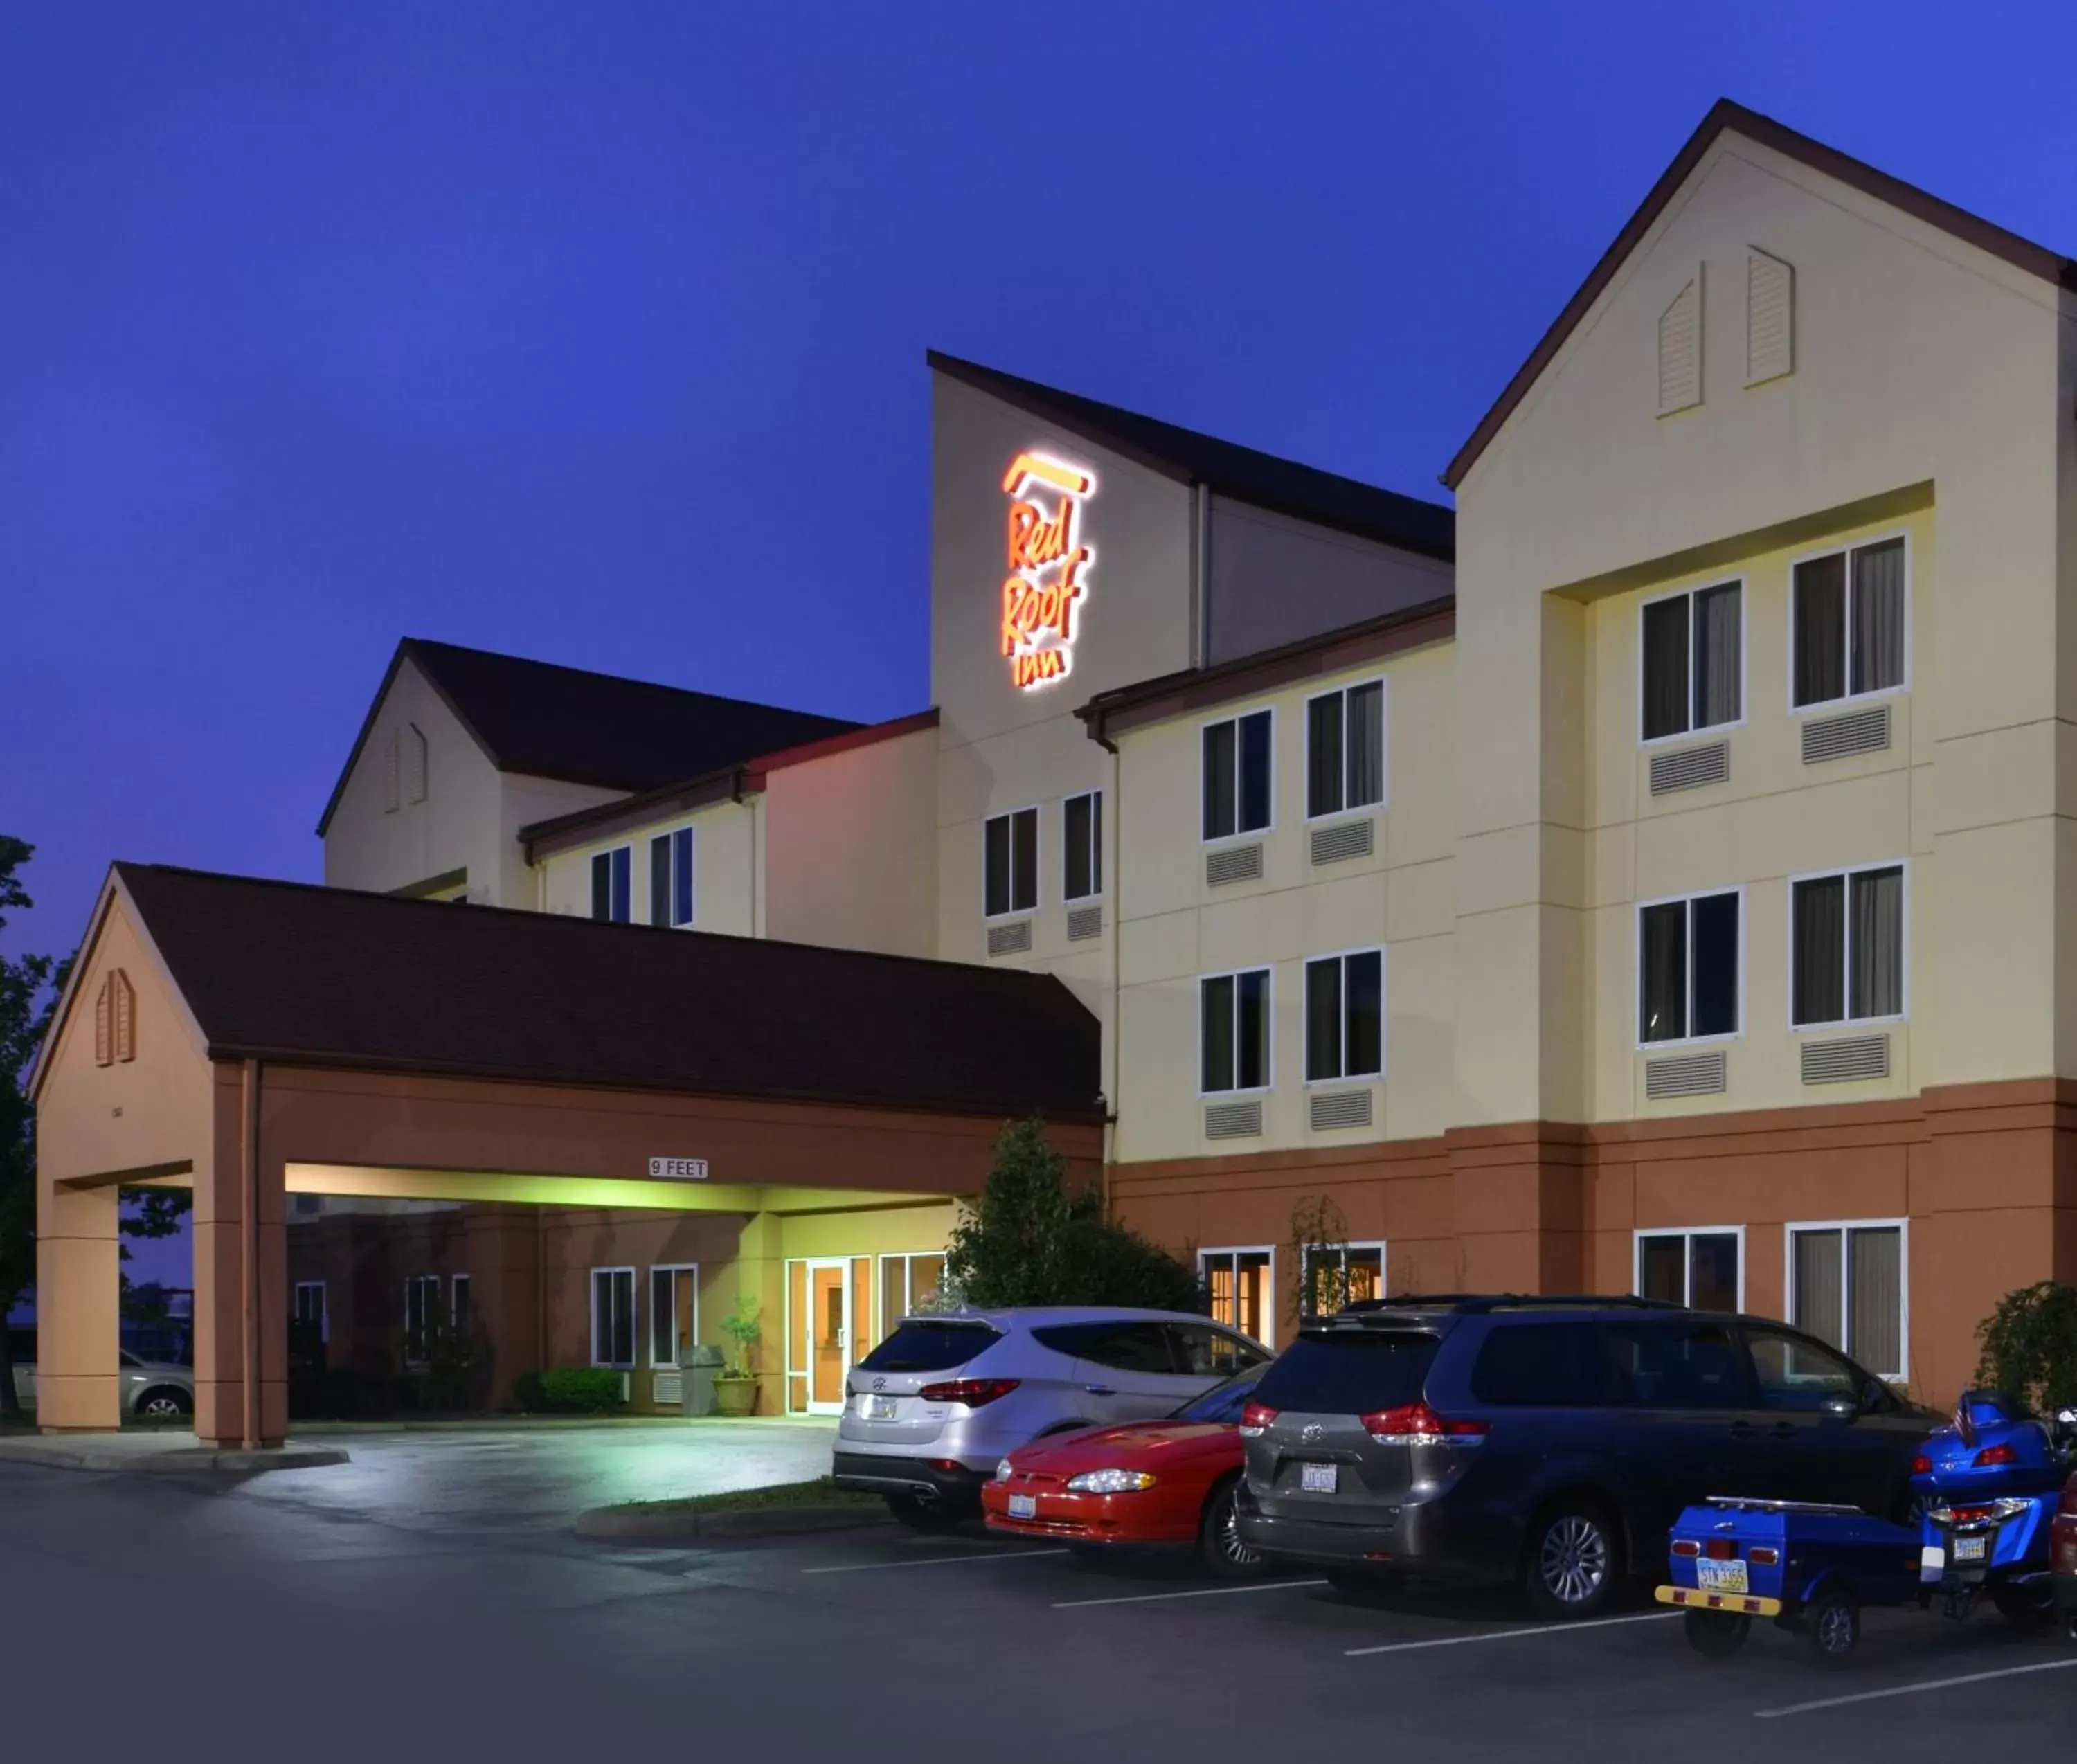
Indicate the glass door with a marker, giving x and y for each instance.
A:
(829, 1335)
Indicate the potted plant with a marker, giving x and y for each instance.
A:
(735, 1386)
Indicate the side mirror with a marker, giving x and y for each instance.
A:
(1846, 1408)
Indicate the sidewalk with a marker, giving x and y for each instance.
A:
(158, 1452)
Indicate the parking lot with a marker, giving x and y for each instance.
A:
(347, 1628)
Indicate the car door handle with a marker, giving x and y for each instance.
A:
(1100, 1390)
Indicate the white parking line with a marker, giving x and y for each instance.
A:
(1510, 1635)
(1913, 1690)
(936, 1561)
(1194, 1592)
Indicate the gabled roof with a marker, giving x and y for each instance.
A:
(1303, 491)
(289, 972)
(1986, 235)
(547, 720)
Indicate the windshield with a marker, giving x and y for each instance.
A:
(1222, 1402)
(1349, 1371)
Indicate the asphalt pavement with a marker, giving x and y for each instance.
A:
(257, 1619)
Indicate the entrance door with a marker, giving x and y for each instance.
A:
(828, 1336)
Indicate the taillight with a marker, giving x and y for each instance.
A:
(1921, 1465)
(1686, 1546)
(974, 1392)
(1255, 1419)
(1991, 1456)
(1765, 1554)
(1416, 1424)
(1720, 1550)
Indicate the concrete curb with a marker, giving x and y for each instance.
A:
(622, 1525)
(187, 1460)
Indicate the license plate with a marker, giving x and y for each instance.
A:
(1319, 1479)
(1720, 1576)
(877, 1408)
(1023, 1506)
(1970, 1549)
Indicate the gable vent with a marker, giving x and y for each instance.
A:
(114, 1020)
(1233, 863)
(1834, 737)
(1084, 922)
(1344, 839)
(414, 763)
(1233, 1121)
(1841, 1062)
(1680, 350)
(1010, 939)
(389, 775)
(1689, 767)
(1770, 318)
(1337, 1109)
(1685, 1074)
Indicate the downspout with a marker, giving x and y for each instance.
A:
(1200, 570)
(1115, 890)
(738, 794)
(250, 1356)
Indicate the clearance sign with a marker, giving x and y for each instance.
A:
(1046, 562)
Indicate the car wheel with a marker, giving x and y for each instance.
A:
(163, 1404)
(1219, 1544)
(2031, 1607)
(1715, 1635)
(922, 1515)
(1573, 1563)
(1832, 1627)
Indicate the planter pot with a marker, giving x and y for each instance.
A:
(735, 1396)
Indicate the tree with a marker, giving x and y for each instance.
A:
(2030, 1346)
(28, 988)
(1320, 1252)
(1029, 1240)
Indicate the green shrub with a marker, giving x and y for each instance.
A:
(568, 1390)
(2030, 1345)
(528, 1393)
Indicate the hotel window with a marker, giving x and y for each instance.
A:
(461, 1307)
(1009, 864)
(1338, 1275)
(1847, 946)
(612, 1317)
(1847, 623)
(1344, 1016)
(1687, 968)
(1847, 1287)
(1698, 1269)
(1345, 749)
(1238, 1285)
(671, 878)
(310, 1307)
(907, 1283)
(1236, 775)
(422, 1299)
(674, 1312)
(611, 873)
(1234, 1031)
(1081, 843)
(1693, 661)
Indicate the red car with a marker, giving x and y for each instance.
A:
(2063, 1550)
(1165, 1482)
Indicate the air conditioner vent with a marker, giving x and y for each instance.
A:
(1843, 1062)
(668, 1389)
(1328, 1109)
(1233, 863)
(1233, 1120)
(1010, 939)
(1344, 839)
(1685, 1074)
(1084, 922)
(1834, 737)
(1691, 767)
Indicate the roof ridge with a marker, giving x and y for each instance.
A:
(419, 645)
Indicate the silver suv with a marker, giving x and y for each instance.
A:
(930, 1412)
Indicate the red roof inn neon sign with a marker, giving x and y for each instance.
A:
(1046, 562)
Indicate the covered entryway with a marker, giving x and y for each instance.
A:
(810, 1108)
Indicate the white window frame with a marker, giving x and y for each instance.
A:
(1902, 1227)
(1096, 838)
(1230, 1250)
(324, 1306)
(908, 1259)
(635, 1301)
(1240, 832)
(1685, 1232)
(1038, 863)
(673, 1269)
(1692, 732)
(1305, 1014)
(1847, 872)
(419, 1282)
(591, 884)
(1384, 759)
(1383, 1264)
(1637, 971)
(670, 835)
(1269, 1084)
(1825, 706)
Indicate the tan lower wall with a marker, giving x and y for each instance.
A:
(1986, 1174)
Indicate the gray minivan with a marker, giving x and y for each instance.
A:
(1552, 1441)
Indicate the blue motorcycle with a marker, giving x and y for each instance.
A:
(1987, 1486)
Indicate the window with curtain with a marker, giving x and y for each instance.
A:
(1846, 946)
(1009, 864)
(671, 878)
(1847, 1288)
(1234, 1031)
(1081, 844)
(1694, 661)
(1236, 775)
(1848, 622)
(1698, 1269)
(1344, 1016)
(1687, 968)
(612, 1317)
(1345, 749)
(612, 874)
(1236, 1290)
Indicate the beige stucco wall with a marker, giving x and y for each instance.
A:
(1174, 928)
(726, 856)
(1927, 372)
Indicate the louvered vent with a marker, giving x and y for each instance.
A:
(1834, 737)
(415, 763)
(104, 1023)
(668, 1389)
(389, 776)
(1691, 767)
(1326, 1109)
(1680, 350)
(1842, 1062)
(1685, 1074)
(1233, 863)
(1084, 922)
(1344, 839)
(125, 999)
(1009, 940)
(1770, 318)
(1233, 1120)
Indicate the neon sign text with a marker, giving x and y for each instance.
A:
(1045, 582)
